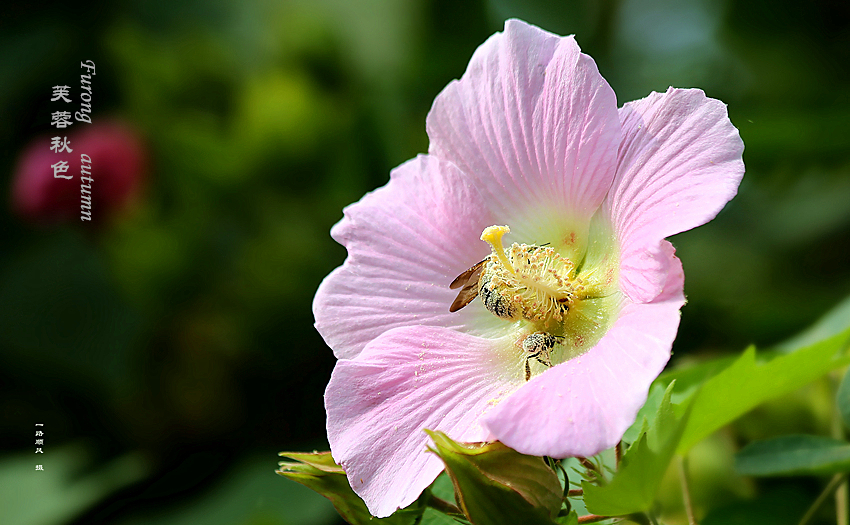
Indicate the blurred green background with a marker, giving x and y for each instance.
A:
(170, 352)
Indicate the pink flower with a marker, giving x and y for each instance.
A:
(117, 169)
(573, 321)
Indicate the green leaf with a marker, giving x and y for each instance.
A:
(69, 483)
(443, 488)
(435, 517)
(689, 378)
(247, 496)
(776, 505)
(634, 487)
(496, 485)
(318, 471)
(722, 398)
(842, 399)
(834, 322)
(745, 384)
(794, 455)
(647, 412)
(569, 519)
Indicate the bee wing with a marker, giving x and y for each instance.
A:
(471, 274)
(465, 296)
(469, 281)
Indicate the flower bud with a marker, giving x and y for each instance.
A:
(497, 485)
(319, 472)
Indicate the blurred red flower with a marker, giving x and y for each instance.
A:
(118, 167)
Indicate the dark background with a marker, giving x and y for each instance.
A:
(169, 349)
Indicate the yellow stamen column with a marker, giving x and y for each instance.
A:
(492, 235)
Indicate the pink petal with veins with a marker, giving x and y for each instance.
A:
(531, 122)
(406, 243)
(407, 380)
(679, 164)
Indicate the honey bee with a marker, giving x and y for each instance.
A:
(474, 282)
(538, 346)
(469, 281)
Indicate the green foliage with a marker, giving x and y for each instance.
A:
(496, 485)
(794, 455)
(745, 384)
(435, 517)
(319, 472)
(832, 323)
(704, 408)
(647, 412)
(634, 487)
(441, 488)
(843, 398)
(782, 506)
(251, 494)
(67, 485)
(569, 519)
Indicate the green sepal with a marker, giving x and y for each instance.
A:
(496, 485)
(635, 485)
(794, 455)
(319, 472)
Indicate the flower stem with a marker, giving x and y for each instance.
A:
(567, 490)
(618, 452)
(831, 487)
(686, 493)
(592, 518)
(586, 463)
(443, 506)
(842, 517)
(842, 513)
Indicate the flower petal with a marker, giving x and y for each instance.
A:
(406, 242)
(533, 124)
(583, 406)
(407, 380)
(679, 163)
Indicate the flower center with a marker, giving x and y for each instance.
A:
(531, 282)
(569, 303)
